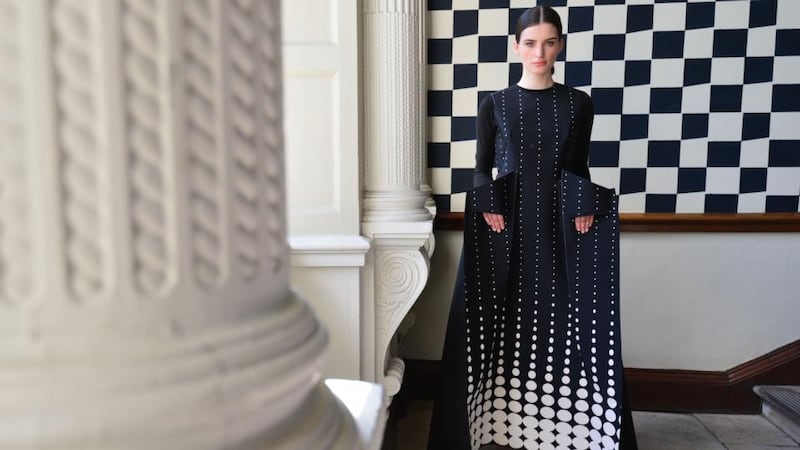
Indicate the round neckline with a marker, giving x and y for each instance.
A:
(552, 86)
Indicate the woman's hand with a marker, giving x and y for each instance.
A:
(583, 223)
(495, 221)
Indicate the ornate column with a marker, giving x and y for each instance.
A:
(144, 299)
(425, 187)
(395, 216)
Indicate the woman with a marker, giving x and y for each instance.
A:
(532, 356)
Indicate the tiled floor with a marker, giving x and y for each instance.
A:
(654, 431)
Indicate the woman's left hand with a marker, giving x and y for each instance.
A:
(583, 223)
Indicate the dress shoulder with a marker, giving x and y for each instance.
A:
(582, 97)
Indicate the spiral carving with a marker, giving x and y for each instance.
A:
(398, 278)
(243, 85)
(271, 132)
(204, 159)
(153, 253)
(16, 273)
(396, 275)
(78, 146)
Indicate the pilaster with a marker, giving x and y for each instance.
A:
(395, 217)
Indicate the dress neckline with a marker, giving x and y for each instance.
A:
(537, 90)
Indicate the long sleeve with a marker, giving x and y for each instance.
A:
(484, 154)
(580, 165)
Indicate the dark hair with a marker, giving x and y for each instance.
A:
(537, 15)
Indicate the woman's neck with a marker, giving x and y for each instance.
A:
(529, 81)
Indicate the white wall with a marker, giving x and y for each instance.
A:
(695, 301)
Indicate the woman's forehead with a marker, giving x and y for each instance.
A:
(539, 32)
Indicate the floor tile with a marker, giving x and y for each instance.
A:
(666, 431)
(744, 429)
(761, 447)
(654, 431)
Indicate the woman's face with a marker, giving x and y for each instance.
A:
(538, 48)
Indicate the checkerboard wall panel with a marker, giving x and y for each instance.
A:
(697, 103)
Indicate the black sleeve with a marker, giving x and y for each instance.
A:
(484, 153)
(585, 118)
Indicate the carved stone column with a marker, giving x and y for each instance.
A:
(395, 214)
(144, 299)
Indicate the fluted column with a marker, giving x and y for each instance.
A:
(422, 40)
(144, 299)
(395, 214)
(392, 76)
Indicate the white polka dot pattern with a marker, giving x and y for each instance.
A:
(542, 330)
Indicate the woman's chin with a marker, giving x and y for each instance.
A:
(539, 70)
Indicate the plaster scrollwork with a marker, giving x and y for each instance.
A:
(16, 259)
(152, 211)
(85, 214)
(401, 274)
(205, 162)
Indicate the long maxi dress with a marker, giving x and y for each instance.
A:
(532, 353)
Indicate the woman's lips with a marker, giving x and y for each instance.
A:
(539, 63)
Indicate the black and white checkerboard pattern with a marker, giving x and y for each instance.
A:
(697, 103)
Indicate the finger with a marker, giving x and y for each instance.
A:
(581, 224)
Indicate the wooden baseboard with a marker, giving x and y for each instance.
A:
(729, 391)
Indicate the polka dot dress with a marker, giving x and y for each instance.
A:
(541, 329)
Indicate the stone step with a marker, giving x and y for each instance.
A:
(781, 406)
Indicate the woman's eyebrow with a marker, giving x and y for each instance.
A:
(534, 40)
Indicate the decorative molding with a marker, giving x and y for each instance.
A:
(204, 165)
(144, 55)
(401, 269)
(270, 132)
(729, 391)
(393, 379)
(328, 251)
(79, 145)
(17, 283)
(401, 275)
(411, 7)
(242, 86)
(676, 223)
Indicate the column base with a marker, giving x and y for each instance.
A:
(399, 206)
(237, 387)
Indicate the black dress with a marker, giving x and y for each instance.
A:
(532, 354)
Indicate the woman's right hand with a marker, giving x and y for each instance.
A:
(495, 221)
